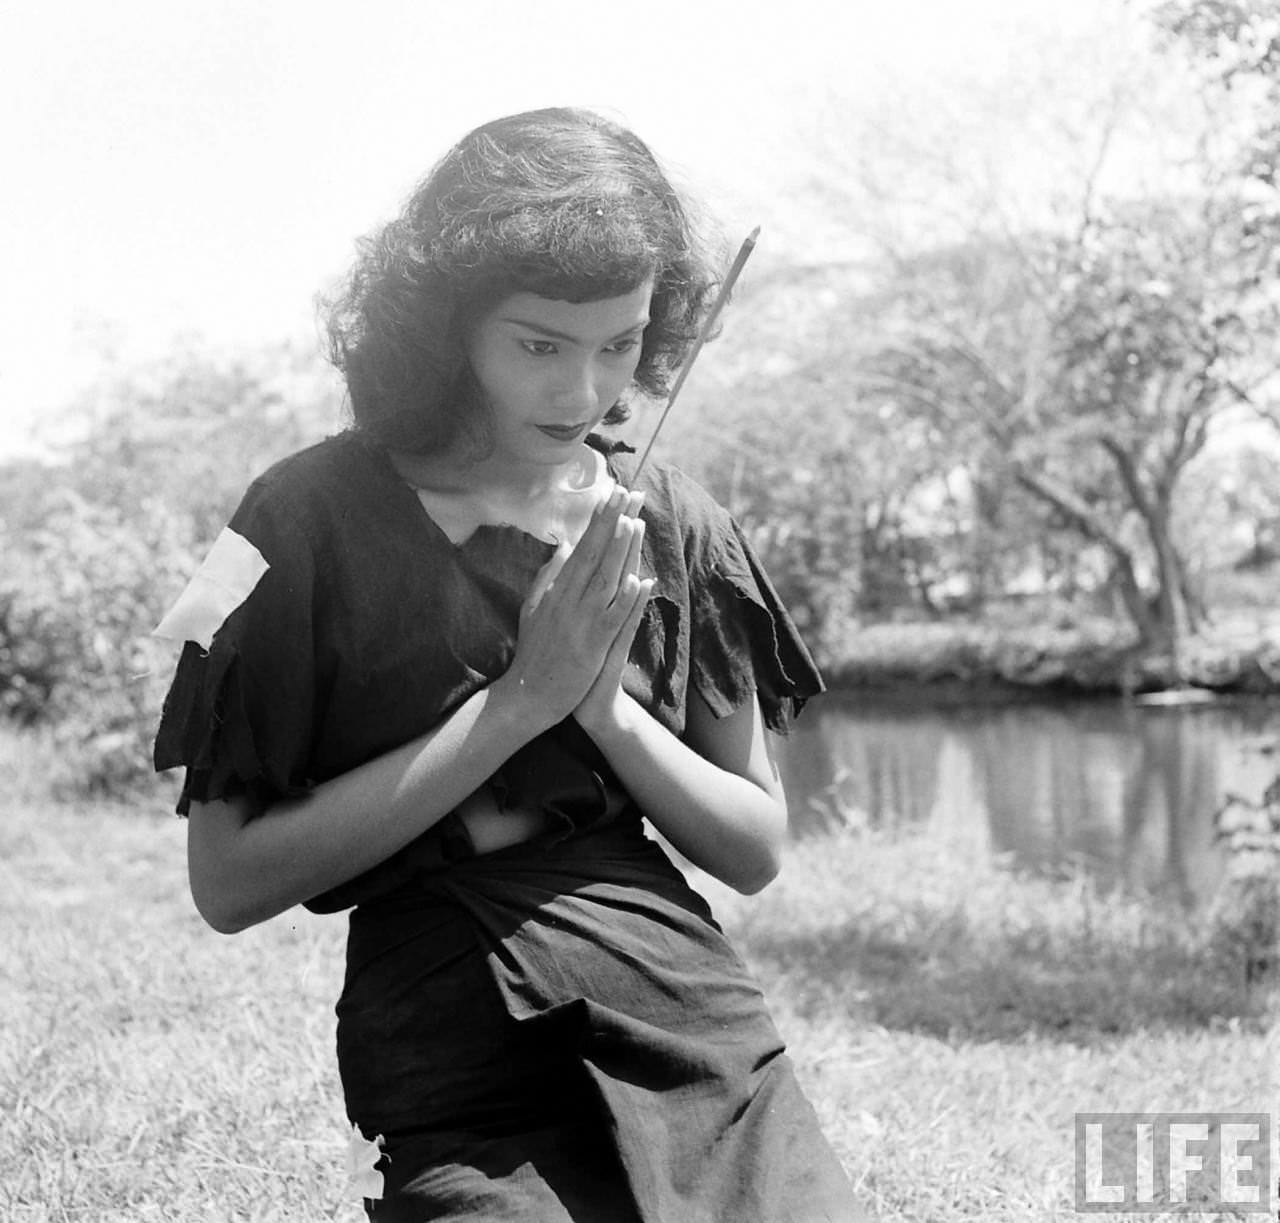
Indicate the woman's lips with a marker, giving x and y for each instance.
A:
(563, 433)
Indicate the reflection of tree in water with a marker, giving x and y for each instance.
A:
(1127, 793)
(876, 768)
(901, 763)
(1124, 793)
(1051, 780)
(1175, 774)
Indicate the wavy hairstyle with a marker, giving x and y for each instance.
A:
(560, 202)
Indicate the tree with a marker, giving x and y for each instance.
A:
(1091, 363)
(1238, 42)
(191, 430)
(846, 502)
(1240, 490)
(1235, 44)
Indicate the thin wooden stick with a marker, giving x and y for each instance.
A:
(735, 270)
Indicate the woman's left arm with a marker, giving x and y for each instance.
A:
(715, 794)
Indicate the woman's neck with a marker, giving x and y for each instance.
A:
(551, 502)
(498, 478)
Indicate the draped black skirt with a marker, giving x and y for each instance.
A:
(561, 1032)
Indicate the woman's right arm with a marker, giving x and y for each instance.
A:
(247, 865)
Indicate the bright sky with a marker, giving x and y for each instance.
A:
(177, 168)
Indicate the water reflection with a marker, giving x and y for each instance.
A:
(1125, 792)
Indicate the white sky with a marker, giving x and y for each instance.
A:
(205, 168)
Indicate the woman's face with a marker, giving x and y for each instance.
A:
(551, 369)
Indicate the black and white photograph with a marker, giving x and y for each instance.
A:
(659, 613)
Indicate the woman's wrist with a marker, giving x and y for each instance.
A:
(609, 723)
(517, 709)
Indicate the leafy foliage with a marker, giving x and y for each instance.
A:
(1091, 368)
(92, 581)
(102, 540)
(1022, 410)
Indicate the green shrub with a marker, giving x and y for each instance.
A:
(100, 543)
(75, 649)
(1091, 658)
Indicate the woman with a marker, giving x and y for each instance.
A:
(465, 660)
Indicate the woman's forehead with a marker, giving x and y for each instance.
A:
(608, 317)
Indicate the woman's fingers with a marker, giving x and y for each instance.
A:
(622, 558)
(631, 562)
(595, 542)
(601, 556)
(578, 622)
(638, 593)
(581, 563)
(635, 594)
(546, 575)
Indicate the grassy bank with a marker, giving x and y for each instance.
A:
(947, 1017)
(1016, 650)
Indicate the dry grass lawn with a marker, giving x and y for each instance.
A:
(947, 1017)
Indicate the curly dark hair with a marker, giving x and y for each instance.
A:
(559, 202)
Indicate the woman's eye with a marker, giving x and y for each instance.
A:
(621, 346)
(538, 348)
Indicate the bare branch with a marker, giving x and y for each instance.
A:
(1072, 507)
(1130, 477)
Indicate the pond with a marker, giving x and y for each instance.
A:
(1124, 792)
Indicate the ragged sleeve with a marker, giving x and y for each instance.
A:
(741, 638)
(240, 715)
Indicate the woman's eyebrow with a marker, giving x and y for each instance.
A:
(553, 334)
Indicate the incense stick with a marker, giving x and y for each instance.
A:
(735, 269)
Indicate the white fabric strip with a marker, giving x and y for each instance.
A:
(224, 580)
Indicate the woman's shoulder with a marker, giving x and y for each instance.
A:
(319, 483)
(676, 498)
(336, 460)
(664, 484)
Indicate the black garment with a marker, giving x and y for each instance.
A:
(581, 959)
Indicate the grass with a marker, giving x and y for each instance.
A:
(947, 1017)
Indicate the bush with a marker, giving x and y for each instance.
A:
(75, 649)
(100, 545)
(1086, 658)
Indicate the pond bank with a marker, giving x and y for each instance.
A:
(1007, 661)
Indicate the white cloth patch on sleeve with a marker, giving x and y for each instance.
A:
(224, 580)
(362, 1159)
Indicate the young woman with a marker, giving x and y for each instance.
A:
(466, 659)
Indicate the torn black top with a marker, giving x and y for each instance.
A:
(583, 955)
(371, 626)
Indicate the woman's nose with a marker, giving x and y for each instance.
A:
(577, 389)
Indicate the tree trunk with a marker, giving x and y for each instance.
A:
(983, 536)
(1151, 629)
(1176, 612)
